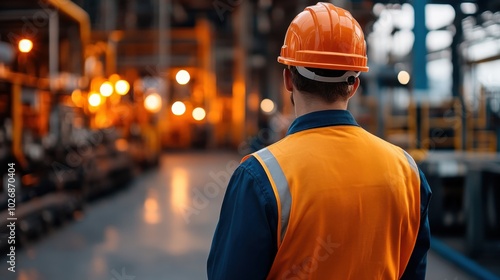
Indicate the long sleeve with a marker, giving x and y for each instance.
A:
(244, 243)
(417, 265)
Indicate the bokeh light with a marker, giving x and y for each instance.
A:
(199, 113)
(106, 89)
(25, 45)
(182, 77)
(95, 99)
(76, 97)
(178, 108)
(122, 87)
(403, 77)
(121, 144)
(113, 78)
(468, 8)
(153, 102)
(267, 105)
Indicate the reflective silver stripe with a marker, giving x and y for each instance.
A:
(412, 163)
(281, 184)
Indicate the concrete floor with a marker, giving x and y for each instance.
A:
(158, 228)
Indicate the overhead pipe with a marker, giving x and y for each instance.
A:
(79, 15)
(53, 49)
(76, 13)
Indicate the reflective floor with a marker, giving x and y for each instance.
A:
(160, 227)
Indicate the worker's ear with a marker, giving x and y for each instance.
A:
(287, 79)
(354, 87)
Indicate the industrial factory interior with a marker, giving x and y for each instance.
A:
(122, 122)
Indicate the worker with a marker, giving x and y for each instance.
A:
(330, 200)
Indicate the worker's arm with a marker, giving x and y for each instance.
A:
(418, 261)
(244, 244)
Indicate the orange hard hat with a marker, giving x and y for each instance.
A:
(325, 36)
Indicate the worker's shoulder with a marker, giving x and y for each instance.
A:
(250, 164)
(391, 148)
(252, 171)
(386, 146)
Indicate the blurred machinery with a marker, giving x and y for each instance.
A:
(35, 73)
(65, 141)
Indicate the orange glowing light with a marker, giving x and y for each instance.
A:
(199, 114)
(178, 108)
(76, 97)
(95, 99)
(153, 102)
(267, 106)
(121, 144)
(182, 77)
(106, 89)
(122, 87)
(25, 45)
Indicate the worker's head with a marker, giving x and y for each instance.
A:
(325, 50)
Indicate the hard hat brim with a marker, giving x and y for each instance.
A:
(326, 60)
(293, 62)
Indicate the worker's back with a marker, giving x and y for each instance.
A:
(354, 205)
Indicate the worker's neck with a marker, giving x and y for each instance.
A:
(305, 106)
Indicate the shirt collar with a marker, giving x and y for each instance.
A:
(321, 119)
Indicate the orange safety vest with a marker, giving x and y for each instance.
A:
(348, 202)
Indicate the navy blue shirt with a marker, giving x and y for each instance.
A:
(245, 243)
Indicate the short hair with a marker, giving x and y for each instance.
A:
(328, 92)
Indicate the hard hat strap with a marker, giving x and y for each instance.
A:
(312, 76)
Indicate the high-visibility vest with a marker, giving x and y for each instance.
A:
(348, 202)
